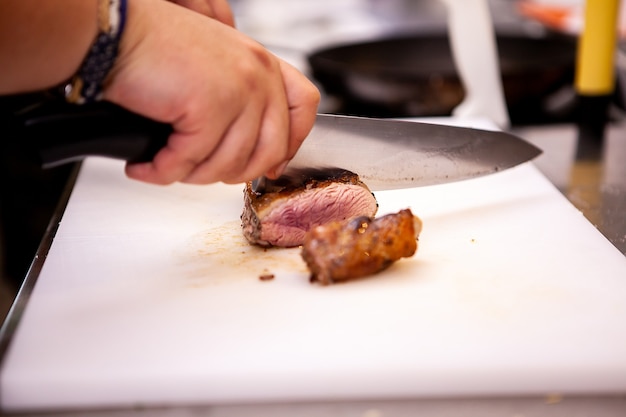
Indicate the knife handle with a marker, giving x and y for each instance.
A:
(61, 132)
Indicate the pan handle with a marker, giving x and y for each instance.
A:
(475, 54)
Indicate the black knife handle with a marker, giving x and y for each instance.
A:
(63, 132)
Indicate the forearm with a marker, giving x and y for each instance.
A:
(43, 42)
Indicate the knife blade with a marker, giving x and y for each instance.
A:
(385, 153)
(391, 154)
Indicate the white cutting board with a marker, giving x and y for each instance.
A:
(151, 296)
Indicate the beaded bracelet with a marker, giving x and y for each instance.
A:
(86, 85)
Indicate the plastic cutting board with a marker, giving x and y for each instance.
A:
(151, 296)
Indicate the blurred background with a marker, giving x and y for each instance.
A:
(391, 58)
(380, 58)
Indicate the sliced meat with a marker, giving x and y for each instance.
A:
(342, 250)
(291, 205)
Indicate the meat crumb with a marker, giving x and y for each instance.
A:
(554, 398)
(266, 276)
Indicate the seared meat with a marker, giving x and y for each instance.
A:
(341, 250)
(291, 205)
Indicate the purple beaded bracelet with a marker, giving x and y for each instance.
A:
(86, 85)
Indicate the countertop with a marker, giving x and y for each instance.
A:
(594, 181)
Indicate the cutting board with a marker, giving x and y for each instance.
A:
(151, 296)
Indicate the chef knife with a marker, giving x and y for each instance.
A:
(389, 154)
(55, 132)
(385, 153)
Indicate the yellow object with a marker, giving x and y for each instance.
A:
(596, 48)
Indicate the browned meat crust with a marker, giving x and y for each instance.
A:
(291, 205)
(342, 250)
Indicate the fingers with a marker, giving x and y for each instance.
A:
(223, 12)
(237, 111)
(280, 135)
(257, 138)
(215, 9)
(172, 163)
(231, 144)
(253, 142)
(264, 134)
(303, 99)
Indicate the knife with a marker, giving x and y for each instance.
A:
(57, 133)
(385, 153)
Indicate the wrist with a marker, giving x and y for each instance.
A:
(87, 84)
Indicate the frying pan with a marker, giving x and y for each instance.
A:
(413, 75)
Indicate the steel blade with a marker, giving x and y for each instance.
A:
(391, 154)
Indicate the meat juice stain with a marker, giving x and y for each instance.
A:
(222, 255)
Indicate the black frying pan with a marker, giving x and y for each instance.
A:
(414, 75)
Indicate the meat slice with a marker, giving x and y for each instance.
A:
(341, 250)
(291, 205)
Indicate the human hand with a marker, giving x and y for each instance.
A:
(237, 111)
(216, 9)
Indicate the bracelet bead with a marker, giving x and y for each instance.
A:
(86, 85)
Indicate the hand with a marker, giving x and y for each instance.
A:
(237, 111)
(216, 9)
